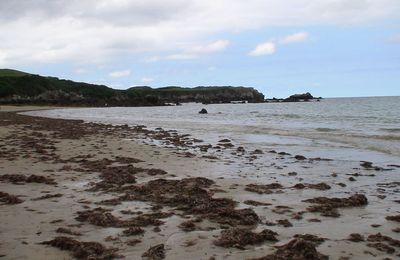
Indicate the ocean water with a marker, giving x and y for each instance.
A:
(337, 128)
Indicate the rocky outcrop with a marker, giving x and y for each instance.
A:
(295, 98)
(299, 97)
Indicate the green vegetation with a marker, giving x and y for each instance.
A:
(12, 73)
(21, 87)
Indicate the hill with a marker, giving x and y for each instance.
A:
(18, 87)
(12, 73)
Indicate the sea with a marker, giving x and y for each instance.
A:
(365, 128)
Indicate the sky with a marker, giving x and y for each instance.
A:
(331, 48)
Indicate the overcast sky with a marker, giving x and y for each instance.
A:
(328, 47)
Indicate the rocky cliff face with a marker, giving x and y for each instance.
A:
(223, 94)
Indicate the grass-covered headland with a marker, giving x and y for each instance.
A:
(18, 87)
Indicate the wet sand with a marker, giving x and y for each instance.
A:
(136, 192)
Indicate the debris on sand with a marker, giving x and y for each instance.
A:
(187, 226)
(9, 199)
(68, 231)
(284, 223)
(355, 237)
(133, 231)
(394, 218)
(102, 217)
(257, 151)
(133, 242)
(328, 206)
(154, 172)
(369, 166)
(148, 219)
(155, 252)
(234, 217)
(20, 178)
(49, 196)
(316, 240)
(366, 164)
(282, 209)
(83, 250)
(317, 186)
(256, 203)
(263, 188)
(99, 217)
(381, 238)
(115, 176)
(126, 160)
(382, 247)
(190, 196)
(240, 237)
(298, 249)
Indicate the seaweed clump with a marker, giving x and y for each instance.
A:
(102, 217)
(20, 178)
(298, 249)
(394, 218)
(240, 237)
(9, 199)
(190, 196)
(155, 252)
(83, 250)
(263, 188)
(328, 206)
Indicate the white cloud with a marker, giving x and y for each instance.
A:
(97, 31)
(81, 71)
(266, 48)
(199, 50)
(120, 73)
(152, 59)
(146, 79)
(293, 38)
(269, 47)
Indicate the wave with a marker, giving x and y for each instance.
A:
(325, 129)
(290, 116)
(390, 130)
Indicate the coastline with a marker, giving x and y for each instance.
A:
(49, 147)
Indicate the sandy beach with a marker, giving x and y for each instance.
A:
(70, 189)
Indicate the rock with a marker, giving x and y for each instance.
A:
(299, 97)
(300, 157)
(203, 111)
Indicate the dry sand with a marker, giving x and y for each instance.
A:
(87, 166)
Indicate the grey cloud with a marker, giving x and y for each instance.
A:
(98, 30)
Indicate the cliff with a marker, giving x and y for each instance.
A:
(23, 88)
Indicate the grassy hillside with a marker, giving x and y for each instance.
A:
(12, 73)
(25, 88)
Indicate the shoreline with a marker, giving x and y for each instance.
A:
(79, 156)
